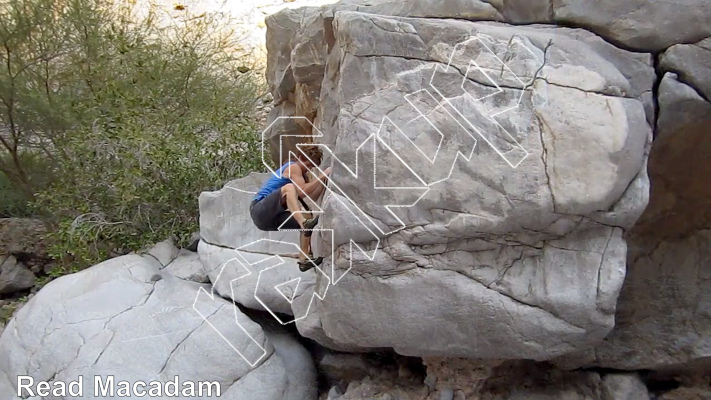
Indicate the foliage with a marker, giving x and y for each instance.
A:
(13, 203)
(134, 116)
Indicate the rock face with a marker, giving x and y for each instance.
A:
(508, 217)
(639, 24)
(127, 319)
(523, 241)
(662, 319)
(22, 236)
(691, 62)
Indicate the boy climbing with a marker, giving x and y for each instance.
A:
(276, 205)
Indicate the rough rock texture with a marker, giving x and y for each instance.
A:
(187, 265)
(7, 388)
(14, 276)
(125, 318)
(687, 393)
(345, 368)
(22, 236)
(585, 119)
(691, 62)
(639, 24)
(466, 379)
(663, 317)
(500, 253)
(300, 373)
(164, 252)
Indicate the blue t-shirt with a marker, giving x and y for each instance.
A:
(274, 182)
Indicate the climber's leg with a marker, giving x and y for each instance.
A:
(290, 199)
(305, 244)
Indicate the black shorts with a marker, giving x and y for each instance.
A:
(269, 214)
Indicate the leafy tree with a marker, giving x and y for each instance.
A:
(133, 116)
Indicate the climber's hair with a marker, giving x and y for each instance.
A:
(313, 153)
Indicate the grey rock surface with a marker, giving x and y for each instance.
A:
(687, 393)
(125, 318)
(7, 388)
(14, 276)
(301, 373)
(585, 386)
(334, 394)
(187, 266)
(639, 24)
(462, 9)
(623, 387)
(164, 252)
(691, 63)
(661, 320)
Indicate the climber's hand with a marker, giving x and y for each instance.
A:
(325, 175)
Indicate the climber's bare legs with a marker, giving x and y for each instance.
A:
(290, 198)
(305, 244)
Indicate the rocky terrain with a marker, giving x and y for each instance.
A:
(537, 224)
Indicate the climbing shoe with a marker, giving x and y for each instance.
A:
(308, 264)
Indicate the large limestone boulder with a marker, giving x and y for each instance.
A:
(525, 240)
(125, 318)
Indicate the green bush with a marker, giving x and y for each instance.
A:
(134, 117)
(13, 203)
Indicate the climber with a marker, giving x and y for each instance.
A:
(276, 205)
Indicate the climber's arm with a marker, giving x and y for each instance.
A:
(320, 187)
(310, 189)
